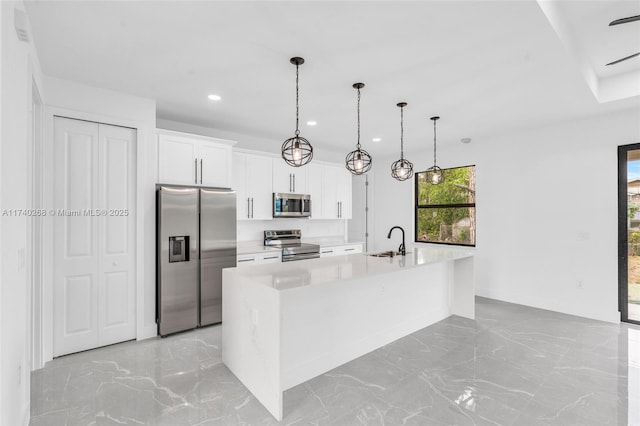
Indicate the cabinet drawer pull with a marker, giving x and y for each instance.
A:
(246, 260)
(272, 257)
(349, 249)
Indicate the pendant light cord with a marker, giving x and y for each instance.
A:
(401, 133)
(297, 96)
(434, 142)
(358, 144)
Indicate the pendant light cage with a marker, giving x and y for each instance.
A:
(358, 161)
(402, 169)
(435, 175)
(297, 151)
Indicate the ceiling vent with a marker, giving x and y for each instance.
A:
(20, 22)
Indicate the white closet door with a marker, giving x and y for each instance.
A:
(75, 236)
(116, 236)
(94, 283)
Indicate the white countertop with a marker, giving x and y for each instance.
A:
(290, 275)
(251, 247)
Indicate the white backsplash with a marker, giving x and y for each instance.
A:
(253, 230)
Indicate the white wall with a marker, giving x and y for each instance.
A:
(19, 67)
(546, 211)
(75, 100)
(252, 230)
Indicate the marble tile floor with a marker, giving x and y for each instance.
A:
(513, 365)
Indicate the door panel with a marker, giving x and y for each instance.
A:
(177, 161)
(78, 305)
(94, 235)
(75, 236)
(314, 188)
(214, 168)
(116, 181)
(629, 232)
(79, 146)
(217, 249)
(260, 187)
(177, 281)
(115, 300)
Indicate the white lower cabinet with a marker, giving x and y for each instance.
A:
(340, 250)
(258, 258)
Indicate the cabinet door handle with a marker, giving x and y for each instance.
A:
(290, 182)
(294, 182)
(195, 164)
(248, 208)
(251, 207)
(201, 171)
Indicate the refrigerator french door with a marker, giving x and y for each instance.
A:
(196, 240)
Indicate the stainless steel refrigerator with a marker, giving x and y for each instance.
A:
(196, 239)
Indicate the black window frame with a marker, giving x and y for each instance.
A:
(417, 207)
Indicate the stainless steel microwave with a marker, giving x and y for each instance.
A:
(291, 205)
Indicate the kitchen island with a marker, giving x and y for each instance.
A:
(286, 323)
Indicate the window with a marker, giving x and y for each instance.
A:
(446, 213)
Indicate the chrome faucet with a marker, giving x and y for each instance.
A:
(401, 249)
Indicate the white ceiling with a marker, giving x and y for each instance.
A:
(485, 67)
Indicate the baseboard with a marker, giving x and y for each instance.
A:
(147, 332)
(540, 303)
(26, 417)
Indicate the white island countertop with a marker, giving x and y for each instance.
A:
(285, 323)
(291, 275)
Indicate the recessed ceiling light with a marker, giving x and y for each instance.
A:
(465, 140)
(214, 97)
(376, 139)
(311, 123)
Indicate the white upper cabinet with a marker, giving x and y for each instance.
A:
(289, 179)
(336, 190)
(185, 159)
(252, 182)
(344, 193)
(314, 189)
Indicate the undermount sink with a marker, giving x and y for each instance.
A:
(386, 254)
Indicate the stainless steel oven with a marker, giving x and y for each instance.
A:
(291, 205)
(292, 248)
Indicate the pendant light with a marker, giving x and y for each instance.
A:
(297, 151)
(358, 161)
(402, 169)
(435, 175)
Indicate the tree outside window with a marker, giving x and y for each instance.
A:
(446, 213)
